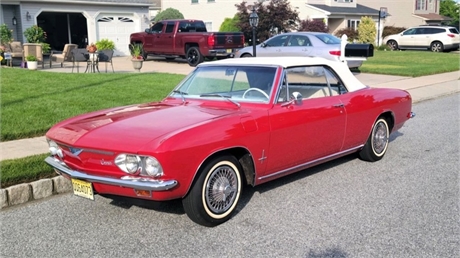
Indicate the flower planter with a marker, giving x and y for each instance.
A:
(32, 65)
(137, 64)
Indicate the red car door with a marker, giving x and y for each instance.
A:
(303, 132)
(165, 41)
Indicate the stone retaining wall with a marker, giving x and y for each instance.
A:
(40, 189)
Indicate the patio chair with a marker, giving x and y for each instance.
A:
(15, 49)
(79, 55)
(62, 56)
(34, 49)
(105, 56)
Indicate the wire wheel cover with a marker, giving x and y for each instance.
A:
(221, 189)
(380, 138)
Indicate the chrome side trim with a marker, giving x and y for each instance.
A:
(312, 163)
(130, 182)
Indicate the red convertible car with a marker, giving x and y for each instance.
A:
(228, 124)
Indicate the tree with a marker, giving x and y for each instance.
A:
(274, 16)
(366, 30)
(167, 14)
(230, 24)
(450, 9)
(313, 25)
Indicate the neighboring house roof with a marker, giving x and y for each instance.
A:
(433, 17)
(358, 10)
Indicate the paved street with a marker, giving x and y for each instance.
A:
(405, 205)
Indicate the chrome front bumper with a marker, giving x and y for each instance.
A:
(138, 183)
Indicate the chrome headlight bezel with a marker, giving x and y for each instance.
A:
(137, 164)
(54, 149)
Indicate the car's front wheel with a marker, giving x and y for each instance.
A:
(437, 46)
(215, 193)
(377, 143)
(393, 45)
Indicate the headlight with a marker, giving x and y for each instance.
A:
(153, 167)
(128, 163)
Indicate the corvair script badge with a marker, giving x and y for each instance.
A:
(106, 163)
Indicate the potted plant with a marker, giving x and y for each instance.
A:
(105, 44)
(91, 48)
(32, 62)
(136, 54)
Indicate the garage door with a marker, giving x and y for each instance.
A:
(116, 28)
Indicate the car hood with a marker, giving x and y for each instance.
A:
(130, 128)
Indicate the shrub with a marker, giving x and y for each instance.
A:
(351, 33)
(35, 34)
(169, 13)
(384, 48)
(366, 30)
(46, 47)
(230, 25)
(313, 25)
(391, 30)
(104, 44)
(6, 35)
(31, 58)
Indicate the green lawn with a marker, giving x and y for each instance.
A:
(32, 101)
(411, 63)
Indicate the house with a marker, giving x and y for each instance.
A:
(80, 21)
(408, 13)
(337, 14)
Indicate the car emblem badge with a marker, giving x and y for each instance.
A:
(229, 39)
(75, 151)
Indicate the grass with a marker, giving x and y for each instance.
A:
(411, 63)
(31, 101)
(28, 169)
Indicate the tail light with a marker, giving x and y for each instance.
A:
(242, 39)
(451, 35)
(335, 52)
(211, 40)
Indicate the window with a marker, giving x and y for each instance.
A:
(420, 4)
(157, 27)
(194, 1)
(311, 82)
(353, 24)
(344, 1)
(298, 40)
(169, 27)
(277, 41)
(211, 1)
(196, 26)
(328, 39)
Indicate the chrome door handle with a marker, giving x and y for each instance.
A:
(338, 105)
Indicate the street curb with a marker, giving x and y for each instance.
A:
(43, 188)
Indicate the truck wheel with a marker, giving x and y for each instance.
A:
(194, 57)
(215, 193)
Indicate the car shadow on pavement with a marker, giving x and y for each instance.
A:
(172, 206)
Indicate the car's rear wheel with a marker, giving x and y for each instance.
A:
(437, 46)
(377, 143)
(393, 45)
(246, 55)
(194, 57)
(215, 193)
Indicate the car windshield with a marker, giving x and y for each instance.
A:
(236, 83)
(328, 39)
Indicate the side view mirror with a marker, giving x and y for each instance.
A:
(263, 44)
(147, 30)
(297, 98)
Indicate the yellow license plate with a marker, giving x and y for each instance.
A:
(83, 189)
(229, 51)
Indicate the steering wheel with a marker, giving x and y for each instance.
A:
(258, 90)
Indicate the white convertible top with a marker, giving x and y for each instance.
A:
(342, 70)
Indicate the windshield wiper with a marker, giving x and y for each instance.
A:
(181, 94)
(221, 96)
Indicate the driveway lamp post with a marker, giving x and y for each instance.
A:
(253, 21)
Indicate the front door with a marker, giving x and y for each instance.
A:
(165, 40)
(314, 128)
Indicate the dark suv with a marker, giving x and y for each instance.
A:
(434, 38)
